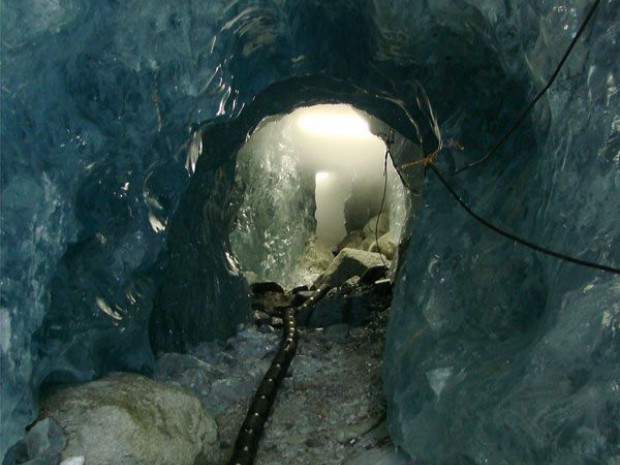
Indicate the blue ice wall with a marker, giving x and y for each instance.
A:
(497, 354)
(494, 353)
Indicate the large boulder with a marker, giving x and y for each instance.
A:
(127, 419)
(349, 263)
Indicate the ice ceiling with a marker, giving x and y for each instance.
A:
(109, 249)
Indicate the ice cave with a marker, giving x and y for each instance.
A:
(152, 177)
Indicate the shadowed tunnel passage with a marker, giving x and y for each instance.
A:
(201, 223)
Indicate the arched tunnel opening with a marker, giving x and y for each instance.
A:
(202, 228)
(123, 251)
(309, 184)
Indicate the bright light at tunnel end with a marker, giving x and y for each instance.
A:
(321, 176)
(335, 125)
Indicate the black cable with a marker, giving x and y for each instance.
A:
(385, 183)
(544, 90)
(521, 241)
(501, 141)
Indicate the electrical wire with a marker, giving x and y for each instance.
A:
(540, 94)
(518, 239)
(385, 183)
(428, 162)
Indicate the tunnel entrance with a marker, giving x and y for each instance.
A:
(203, 292)
(309, 184)
(283, 201)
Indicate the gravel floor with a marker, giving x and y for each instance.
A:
(330, 409)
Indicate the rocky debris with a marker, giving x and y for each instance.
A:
(353, 240)
(263, 318)
(367, 243)
(329, 408)
(352, 304)
(301, 296)
(384, 245)
(41, 445)
(332, 405)
(269, 302)
(128, 419)
(349, 263)
(374, 237)
(315, 259)
(377, 226)
(264, 297)
(264, 287)
(373, 274)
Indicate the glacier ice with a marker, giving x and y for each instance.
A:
(110, 249)
(275, 218)
(294, 189)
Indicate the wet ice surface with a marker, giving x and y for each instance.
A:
(330, 410)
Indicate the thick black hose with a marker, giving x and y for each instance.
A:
(251, 431)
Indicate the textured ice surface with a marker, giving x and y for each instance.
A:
(97, 98)
(275, 220)
(496, 354)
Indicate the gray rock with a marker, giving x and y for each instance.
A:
(277, 322)
(353, 240)
(382, 227)
(300, 297)
(127, 419)
(41, 445)
(265, 286)
(349, 263)
(386, 246)
(353, 282)
(271, 303)
(188, 371)
(367, 243)
(261, 317)
(46, 437)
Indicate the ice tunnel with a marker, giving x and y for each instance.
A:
(120, 128)
(306, 185)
